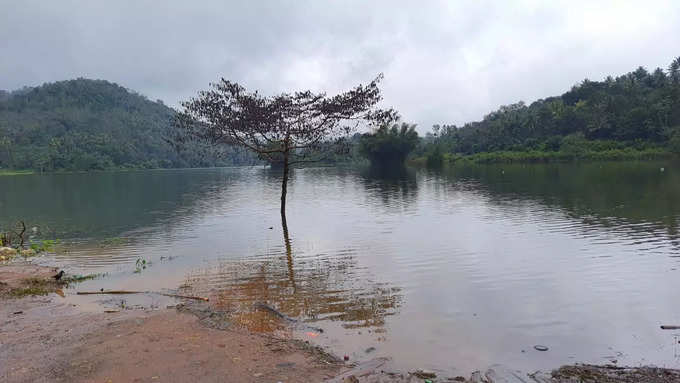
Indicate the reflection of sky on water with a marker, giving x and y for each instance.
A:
(456, 270)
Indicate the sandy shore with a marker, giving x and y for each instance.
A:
(45, 339)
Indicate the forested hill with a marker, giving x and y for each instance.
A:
(640, 110)
(91, 124)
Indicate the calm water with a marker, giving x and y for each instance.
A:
(453, 270)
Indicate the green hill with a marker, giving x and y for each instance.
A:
(638, 112)
(90, 125)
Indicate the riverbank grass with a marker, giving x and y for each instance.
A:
(538, 156)
(12, 172)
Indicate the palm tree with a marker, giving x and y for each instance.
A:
(674, 70)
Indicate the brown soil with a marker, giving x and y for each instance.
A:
(43, 339)
(23, 279)
(614, 374)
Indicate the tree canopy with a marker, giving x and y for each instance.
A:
(288, 128)
(389, 145)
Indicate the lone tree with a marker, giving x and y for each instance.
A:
(285, 129)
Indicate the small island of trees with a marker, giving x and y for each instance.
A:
(389, 145)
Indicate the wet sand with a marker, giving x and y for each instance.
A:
(45, 339)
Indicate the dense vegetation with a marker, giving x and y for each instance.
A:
(389, 145)
(636, 115)
(92, 124)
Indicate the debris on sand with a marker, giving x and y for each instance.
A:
(613, 374)
(21, 280)
(424, 374)
(128, 292)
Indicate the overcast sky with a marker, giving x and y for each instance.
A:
(444, 61)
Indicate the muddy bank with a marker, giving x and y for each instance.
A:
(45, 339)
(615, 374)
(25, 279)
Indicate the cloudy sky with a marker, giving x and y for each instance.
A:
(444, 61)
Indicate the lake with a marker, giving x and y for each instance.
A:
(450, 270)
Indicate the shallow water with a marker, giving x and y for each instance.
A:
(452, 270)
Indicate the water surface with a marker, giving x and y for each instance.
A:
(452, 270)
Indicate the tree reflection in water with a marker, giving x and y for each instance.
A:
(396, 188)
(309, 287)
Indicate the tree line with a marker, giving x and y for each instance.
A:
(93, 124)
(638, 110)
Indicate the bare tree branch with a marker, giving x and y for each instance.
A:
(287, 128)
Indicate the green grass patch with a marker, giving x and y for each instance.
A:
(28, 291)
(11, 172)
(81, 278)
(33, 286)
(44, 286)
(538, 156)
(44, 246)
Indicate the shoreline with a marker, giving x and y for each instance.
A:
(45, 339)
(551, 157)
(481, 158)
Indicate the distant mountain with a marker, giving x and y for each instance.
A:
(87, 124)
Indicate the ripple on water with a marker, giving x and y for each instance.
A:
(465, 267)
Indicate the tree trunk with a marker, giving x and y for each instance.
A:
(289, 251)
(284, 184)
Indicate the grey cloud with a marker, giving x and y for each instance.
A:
(444, 61)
